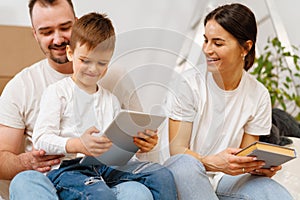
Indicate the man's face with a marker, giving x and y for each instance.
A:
(52, 29)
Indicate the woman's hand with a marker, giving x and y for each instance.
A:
(146, 141)
(228, 163)
(266, 172)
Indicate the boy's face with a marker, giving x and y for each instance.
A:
(89, 66)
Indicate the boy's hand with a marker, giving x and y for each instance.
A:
(146, 141)
(94, 145)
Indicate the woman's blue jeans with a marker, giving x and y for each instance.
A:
(193, 183)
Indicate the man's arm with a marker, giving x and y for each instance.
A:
(10, 146)
(13, 160)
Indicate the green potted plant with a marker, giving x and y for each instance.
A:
(272, 70)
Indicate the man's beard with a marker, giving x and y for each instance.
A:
(59, 60)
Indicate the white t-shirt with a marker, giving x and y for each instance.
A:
(220, 118)
(66, 111)
(19, 101)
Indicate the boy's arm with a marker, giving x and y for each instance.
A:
(88, 144)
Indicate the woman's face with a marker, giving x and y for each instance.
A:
(223, 52)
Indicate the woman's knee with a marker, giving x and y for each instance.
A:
(163, 176)
(267, 186)
(178, 165)
(251, 187)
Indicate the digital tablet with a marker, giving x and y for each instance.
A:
(121, 132)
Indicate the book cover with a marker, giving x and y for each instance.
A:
(273, 155)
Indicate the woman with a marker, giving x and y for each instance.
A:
(219, 109)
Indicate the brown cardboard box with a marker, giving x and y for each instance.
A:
(18, 50)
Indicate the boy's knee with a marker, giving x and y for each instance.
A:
(129, 189)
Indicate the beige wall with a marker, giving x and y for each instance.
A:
(18, 50)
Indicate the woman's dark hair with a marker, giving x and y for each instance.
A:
(240, 22)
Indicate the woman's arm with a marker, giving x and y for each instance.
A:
(248, 139)
(225, 161)
(179, 136)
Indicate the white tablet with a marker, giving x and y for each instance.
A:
(121, 131)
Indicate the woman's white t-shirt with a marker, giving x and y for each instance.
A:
(220, 118)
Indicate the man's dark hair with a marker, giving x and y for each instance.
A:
(46, 3)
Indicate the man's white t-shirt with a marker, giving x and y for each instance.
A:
(220, 118)
(66, 111)
(20, 99)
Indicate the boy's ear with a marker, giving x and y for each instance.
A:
(69, 53)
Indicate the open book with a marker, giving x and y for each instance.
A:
(273, 155)
(121, 132)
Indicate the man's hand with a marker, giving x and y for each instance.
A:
(13, 159)
(146, 141)
(38, 160)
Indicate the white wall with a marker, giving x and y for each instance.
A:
(127, 15)
(172, 14)
(151, 33)
(289, 12)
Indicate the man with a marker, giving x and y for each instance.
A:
(52, 22)
(52, 29)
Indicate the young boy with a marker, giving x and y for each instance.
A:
(75, 108)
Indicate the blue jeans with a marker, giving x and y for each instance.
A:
(133, 181)
(75, 181)
(30, 185)
(192, 183)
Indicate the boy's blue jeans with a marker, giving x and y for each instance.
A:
(31, 184)
(75, 181)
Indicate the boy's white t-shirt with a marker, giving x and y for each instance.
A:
(220, 118)
(66, 111)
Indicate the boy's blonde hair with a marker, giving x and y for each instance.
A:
(93, 30)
